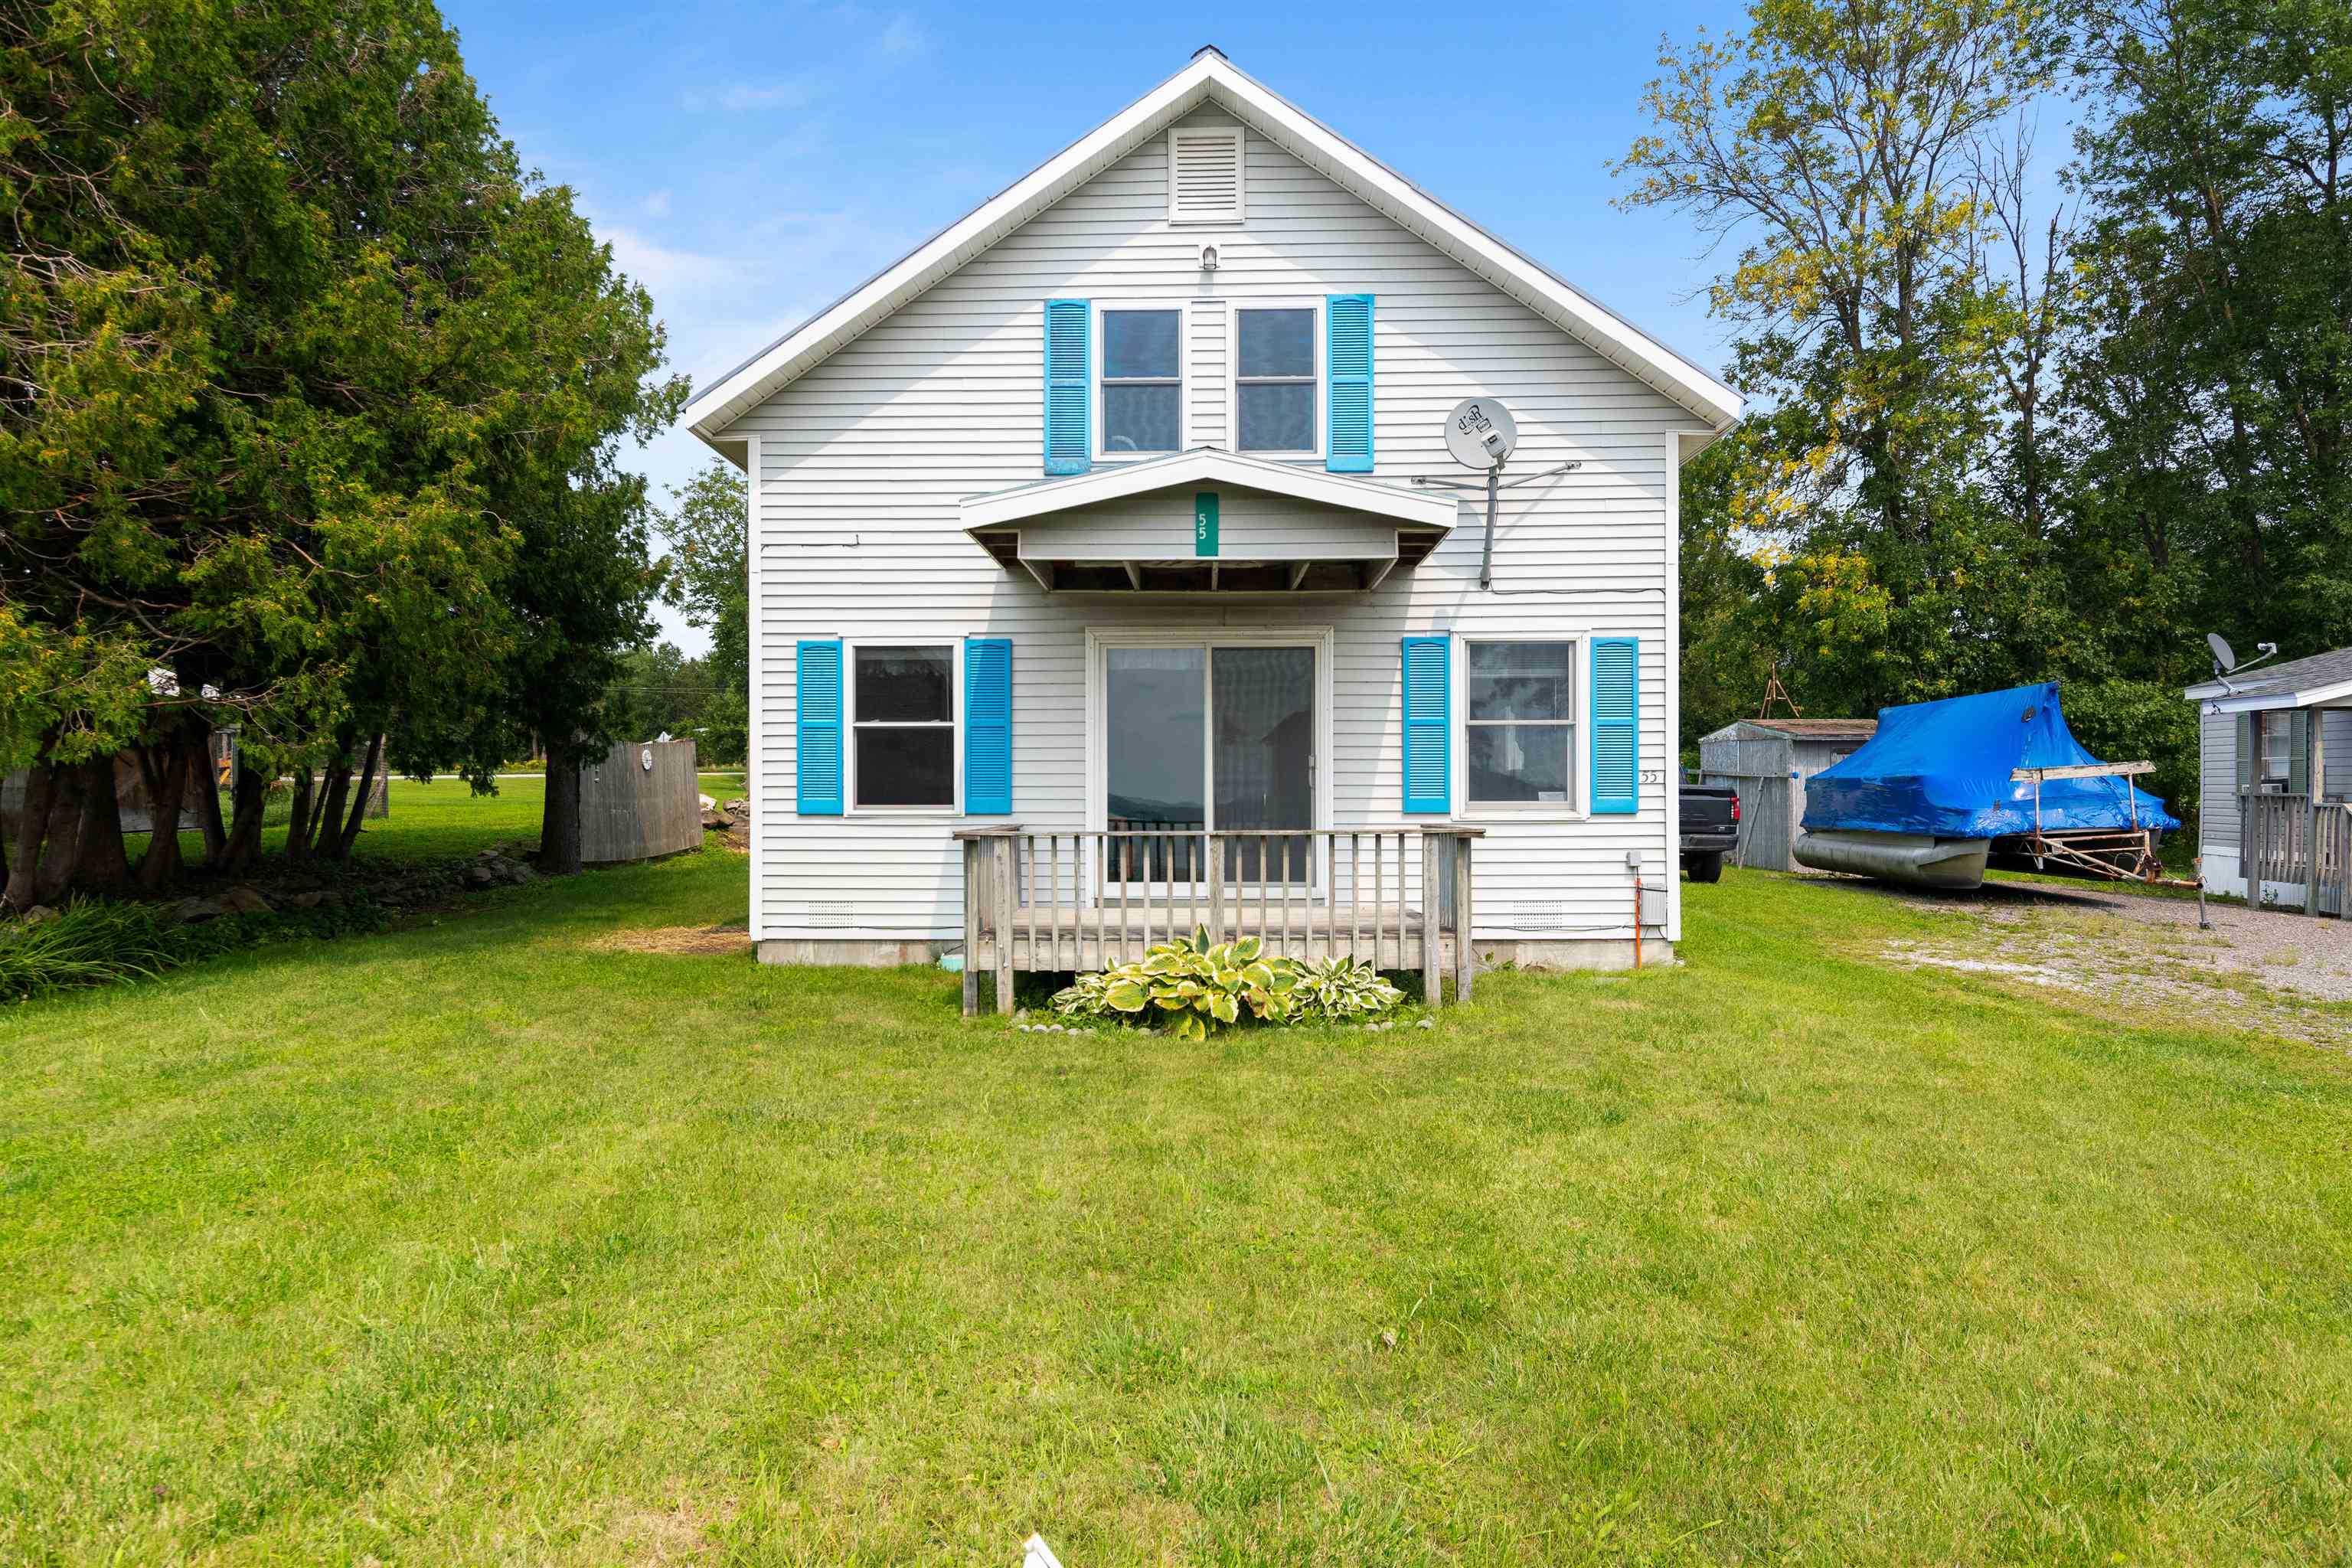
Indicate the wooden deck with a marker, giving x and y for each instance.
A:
(1064, 902)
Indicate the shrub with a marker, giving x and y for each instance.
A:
(1195, 987)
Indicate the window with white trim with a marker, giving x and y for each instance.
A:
(1275, 382)
(1143, 382)
(2277, 747)
(903, 725)
(1519, 722)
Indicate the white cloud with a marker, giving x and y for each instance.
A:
(665, 270)
(658, 203)
(739, 97)
(901, 35)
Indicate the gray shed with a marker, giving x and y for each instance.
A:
(1767, 761)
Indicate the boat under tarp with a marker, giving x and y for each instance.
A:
(1943, 786)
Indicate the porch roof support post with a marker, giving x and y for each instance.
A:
(988, 902)
(1433, 939)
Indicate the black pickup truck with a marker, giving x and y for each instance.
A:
(1710, 829)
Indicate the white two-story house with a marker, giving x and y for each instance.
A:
(1110, 573)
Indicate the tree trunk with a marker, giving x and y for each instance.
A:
(351, 829)
(297, 820)
(63, 838)
(100, 864)
(244, 845)
(559, 821)
(327, 820)
(32, 828)
(208, 812)
(164, 769)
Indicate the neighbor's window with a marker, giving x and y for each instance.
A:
(1274, 384)
(2278, 757)
(1519, 722)
(1142, 381)
(904, 723)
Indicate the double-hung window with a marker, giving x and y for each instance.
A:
(1519, 722)
(1275, 384)
(2277, 748)
(903, 725)
(1143, 382)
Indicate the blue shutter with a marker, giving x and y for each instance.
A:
(820, 728)
(1428, 725)
(1348, 364)
(988, 726)
(1069, 392)
(1616, 724)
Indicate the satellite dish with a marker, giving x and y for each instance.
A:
(1480, 432)
(2225, 660)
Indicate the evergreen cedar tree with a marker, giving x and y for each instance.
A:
(309, 399)
(2009, 427)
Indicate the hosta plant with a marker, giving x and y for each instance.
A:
(1341, 990)
(1195, 987)
(1191, 986)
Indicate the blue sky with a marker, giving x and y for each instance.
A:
(750, 163)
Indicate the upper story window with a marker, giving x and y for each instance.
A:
(1276, 381)
(903, 717)
(1143, 382)
(1205, 174)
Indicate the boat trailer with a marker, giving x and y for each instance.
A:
(2116, 855)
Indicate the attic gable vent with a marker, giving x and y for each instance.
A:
(1204, 175)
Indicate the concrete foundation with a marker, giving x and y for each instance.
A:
(855, 953)
(1527, 954)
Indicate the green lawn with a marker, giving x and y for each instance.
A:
(479, 1242)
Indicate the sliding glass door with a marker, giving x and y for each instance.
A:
(1209, 736)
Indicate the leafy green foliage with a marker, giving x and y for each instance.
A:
(707, 576)
(1194, 987)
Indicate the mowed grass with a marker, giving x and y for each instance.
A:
(483, 1242)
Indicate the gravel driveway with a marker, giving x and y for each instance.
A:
(2282, 973)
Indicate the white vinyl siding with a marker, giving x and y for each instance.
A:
(864, 461)
(1250, 526)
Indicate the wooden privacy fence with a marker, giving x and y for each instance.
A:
(641, 801)
(1393, 898)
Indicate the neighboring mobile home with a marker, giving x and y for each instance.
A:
(2274, 755)
(1106, 575)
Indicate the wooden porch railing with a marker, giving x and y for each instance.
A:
(1397, 898)
(2277, 833)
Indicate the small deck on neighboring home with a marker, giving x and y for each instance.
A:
(1082, 901)
(2282, 830)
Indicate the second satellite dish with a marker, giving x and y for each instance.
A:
(1480, 432)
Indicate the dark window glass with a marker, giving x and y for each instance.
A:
(1519, 762)
(906, 685)
(1141, 417)
(1140, 343)
(1520, 680)
(905, 767)
(1276, 415)
(1278, 342)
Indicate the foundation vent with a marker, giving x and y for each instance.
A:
(833, 915)
(1547, 914)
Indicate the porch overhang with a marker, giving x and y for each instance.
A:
(1137, 528)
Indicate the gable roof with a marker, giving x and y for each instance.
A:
(2297, 683)
(1209, 465)
(1211, 78)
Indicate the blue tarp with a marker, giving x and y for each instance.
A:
(1942, 769)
